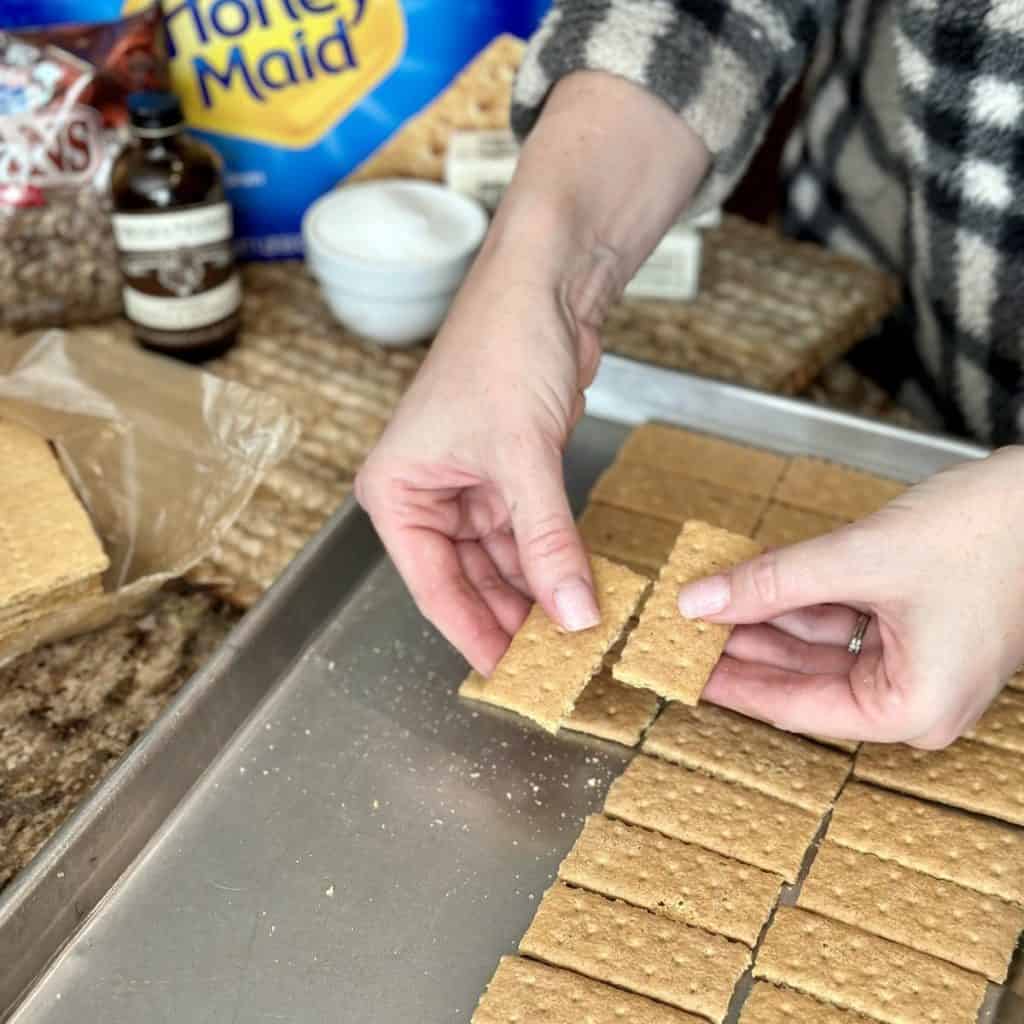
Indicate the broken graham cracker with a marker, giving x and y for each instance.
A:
(781, 525)
(733, 747)
(969, 775)
(478, 98)
(769, 1004)
(671, 878)
(718, 815)
(528, 992)
(852, 969)
(611, 711)
(736, 466)
(834, 490)
(628, 537)
(641, 952)
(666, 653)
(967, 928)
(1002, 725)
(545, 669)
(978, 853)
(675, 498)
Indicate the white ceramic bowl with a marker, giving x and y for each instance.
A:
(391, 254)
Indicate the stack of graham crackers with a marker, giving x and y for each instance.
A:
(905, 868)
(50, 555)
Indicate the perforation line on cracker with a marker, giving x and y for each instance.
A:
(666, 653)
(834, 490)
(641, 952)
(545, 669)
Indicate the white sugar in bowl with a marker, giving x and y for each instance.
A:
(391, 254)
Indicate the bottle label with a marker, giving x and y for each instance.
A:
(184, 313)
(174, 229)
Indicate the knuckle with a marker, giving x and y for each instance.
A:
(763, 578)
(550, 539)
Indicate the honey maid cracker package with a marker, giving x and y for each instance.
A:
(295, 94)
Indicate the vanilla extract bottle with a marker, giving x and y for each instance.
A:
(173, 228)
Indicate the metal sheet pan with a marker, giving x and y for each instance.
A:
(365, 846)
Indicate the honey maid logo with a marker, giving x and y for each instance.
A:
(279, 71)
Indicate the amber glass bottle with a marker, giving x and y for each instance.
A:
(173, 228)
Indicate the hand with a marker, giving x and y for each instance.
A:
(940, 569)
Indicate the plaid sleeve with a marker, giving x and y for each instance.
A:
(724, 65)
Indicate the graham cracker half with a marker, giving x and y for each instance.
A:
(528, 992)
(834, 490)
(611, 711)
(672, 878)
(641, 952)
(782, 525)
(666, 653)
(737, 748)
(1002, 725)
(769, 1004)
(967, 928)
(718, 815)
(545, 669)
(670, 496)
(628, 537)
(736, 466)
(477, 98)
(970, 775)
(850, 968)
(983, 855)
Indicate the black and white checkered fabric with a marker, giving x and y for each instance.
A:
(910, 154)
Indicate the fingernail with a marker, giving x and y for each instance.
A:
(705, 597)
(576, 606)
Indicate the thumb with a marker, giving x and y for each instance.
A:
(819, 571)
(551, 553)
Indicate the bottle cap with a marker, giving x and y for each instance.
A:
(155, 115)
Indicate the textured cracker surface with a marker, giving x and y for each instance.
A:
(737, 748)
(641, 952)
(545, 669)
(47, 542)
(675, 498)
(1002, 725)
(850, 968)
(666, 653)
(834, 490)
(704, 457)
(527, 992)
(970, 775)
(769, 1004)
(625, 536)
(611, 711)
(976, 852)
(709, 812)
(673, 878)
(968, 928)
(781, 525)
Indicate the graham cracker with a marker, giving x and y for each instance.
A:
(769, 1004)
(969, 775)
(641, 952)
(737, 748)
(1016, 682)
(736, 466)
(47, 543)
(782, 525)
(545, 669)
(527, 992)
(718, 815)
(977, 853)
(611, 711)
(627, 537)
(968, 928)
(477, 98)
(834, 490)
(672, 878)
(666, 653)
(850, 746)
(1002, 725)
(850, 968)
(675, 498)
